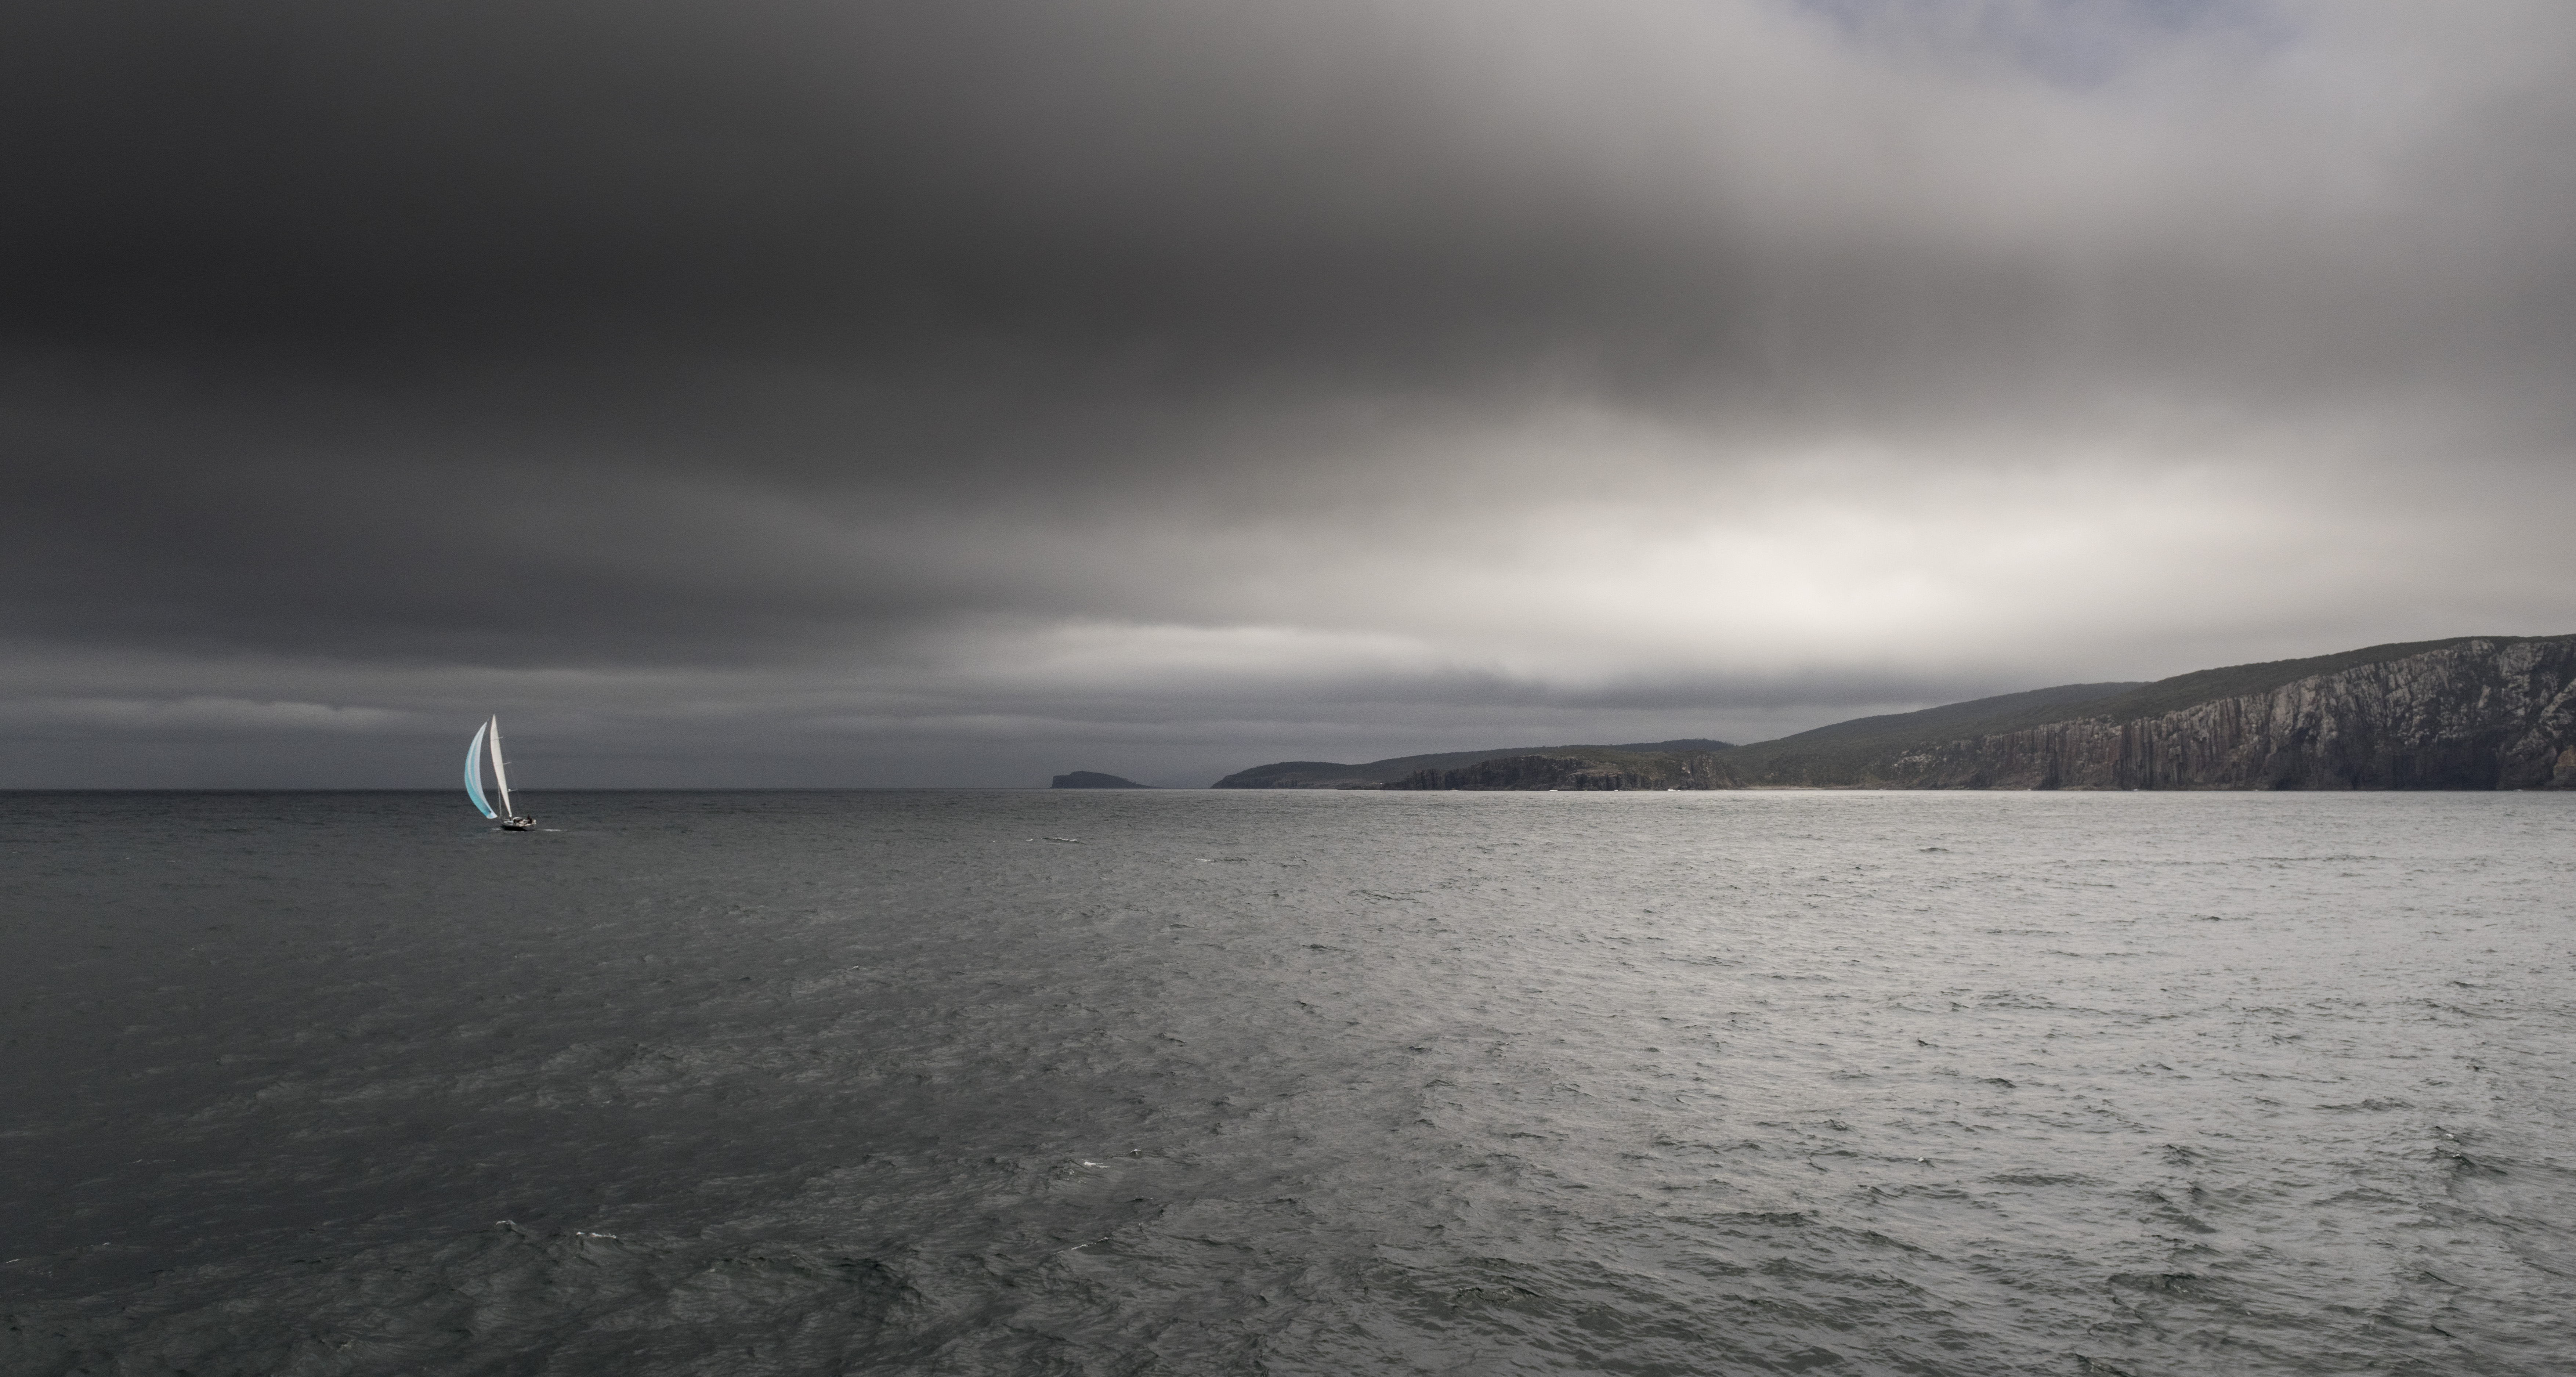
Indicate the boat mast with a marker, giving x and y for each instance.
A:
(498, 776)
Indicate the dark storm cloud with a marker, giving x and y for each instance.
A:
(877, 369)
(422, 178)
(1185, 191)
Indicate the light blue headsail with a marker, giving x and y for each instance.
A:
(474, 772)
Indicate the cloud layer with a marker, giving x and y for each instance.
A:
(956, 393)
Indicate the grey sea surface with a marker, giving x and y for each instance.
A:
(1289, 1082)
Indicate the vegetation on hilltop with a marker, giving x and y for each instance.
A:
(1841, 753)
(2206, 685)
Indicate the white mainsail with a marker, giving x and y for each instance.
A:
(474, 772)
(500, 777)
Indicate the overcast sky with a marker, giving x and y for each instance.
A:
(964, 391)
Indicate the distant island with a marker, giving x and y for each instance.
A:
(1093, 779)
(2475, 712)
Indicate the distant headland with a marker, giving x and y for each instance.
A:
(2475, 712)
(1093, 779)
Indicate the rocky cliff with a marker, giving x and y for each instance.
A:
(2475, 714)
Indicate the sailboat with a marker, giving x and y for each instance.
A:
(510, 820)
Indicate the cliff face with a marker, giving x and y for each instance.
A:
(2477, 715)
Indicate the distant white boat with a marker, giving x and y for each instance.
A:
(510, 820)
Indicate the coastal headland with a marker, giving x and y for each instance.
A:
(1093, 779)
(2475, 712)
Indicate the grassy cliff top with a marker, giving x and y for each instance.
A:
(2207, 685)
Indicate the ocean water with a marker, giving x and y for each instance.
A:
(1028, 1082)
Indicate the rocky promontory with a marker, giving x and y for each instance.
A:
(1407, 771)
(1093, 779)
(1580, 767)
